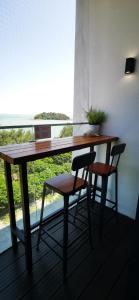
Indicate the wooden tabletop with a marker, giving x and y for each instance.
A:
(19, 153)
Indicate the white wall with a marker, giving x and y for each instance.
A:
(107, 31)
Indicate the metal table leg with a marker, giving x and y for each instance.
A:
(26, 215)
(11, 203)
(108, 151)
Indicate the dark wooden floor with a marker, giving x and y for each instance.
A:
(95, 274)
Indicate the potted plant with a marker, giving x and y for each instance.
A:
(95, 118)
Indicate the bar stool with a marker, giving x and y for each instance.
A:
(105, 171)
(66, 185)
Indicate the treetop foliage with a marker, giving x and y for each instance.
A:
(51, 116)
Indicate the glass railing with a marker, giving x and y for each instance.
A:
(38, 171)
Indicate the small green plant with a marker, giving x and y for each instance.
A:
(95, 117)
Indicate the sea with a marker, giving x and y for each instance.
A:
(28, 119)
(16, 119)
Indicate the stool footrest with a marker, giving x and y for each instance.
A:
(75, 225)
(77, 218)
(52, 248)
(107, 200)
(51, 236)
(58, 243)
(78, 237)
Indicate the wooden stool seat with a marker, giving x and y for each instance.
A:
(63, 184)
(102, 169)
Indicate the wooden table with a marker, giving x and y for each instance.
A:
(20, 154)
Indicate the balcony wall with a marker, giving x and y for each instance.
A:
(106, 33)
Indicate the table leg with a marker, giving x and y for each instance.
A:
(90, 174)
(108, 151)
(9, 186)
(26, 214)
(91, 148)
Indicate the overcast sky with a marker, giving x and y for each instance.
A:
(36, 55)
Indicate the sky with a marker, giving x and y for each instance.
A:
(37, 56)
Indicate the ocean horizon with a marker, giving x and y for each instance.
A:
(25, 119)
(13, 119)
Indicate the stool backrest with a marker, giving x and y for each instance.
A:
(116, 152)
(82, 162)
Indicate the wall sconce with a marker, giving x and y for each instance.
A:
(130, 65)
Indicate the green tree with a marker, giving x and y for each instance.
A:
(66, 131)
(51, 116)
(15, 136)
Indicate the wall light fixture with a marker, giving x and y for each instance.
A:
(130, 65)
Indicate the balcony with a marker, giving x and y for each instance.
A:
(104, 38)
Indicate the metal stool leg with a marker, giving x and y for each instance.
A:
(77, 204)
(102, 204)
(116, 195)
(76, 208)
(89, 214)
(94, 190)
(41, 215)
(65, 237)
